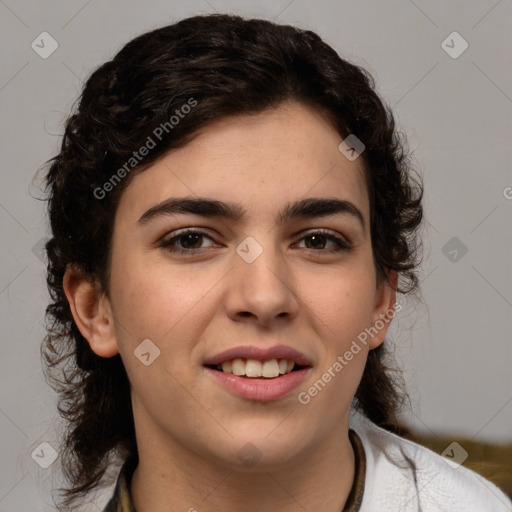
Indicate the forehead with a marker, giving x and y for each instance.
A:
(260, 160)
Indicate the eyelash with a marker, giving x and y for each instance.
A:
(341, 245)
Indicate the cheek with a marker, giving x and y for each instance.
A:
(163, 303)
(343, 307)
(169, 309)
(150, 294)
(342, 302)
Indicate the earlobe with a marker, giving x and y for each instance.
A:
(91, 312)
(384, 310)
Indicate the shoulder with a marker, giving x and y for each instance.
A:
(403, 475)
(121, 499)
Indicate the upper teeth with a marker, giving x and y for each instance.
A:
(255, 368)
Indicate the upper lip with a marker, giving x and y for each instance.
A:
(260, 354)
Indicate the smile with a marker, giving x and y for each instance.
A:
(252, 368)
(254, 373)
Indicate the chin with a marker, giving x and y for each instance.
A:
(260, 453)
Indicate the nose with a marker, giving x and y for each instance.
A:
(262, 292)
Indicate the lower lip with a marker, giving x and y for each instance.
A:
(260, 389)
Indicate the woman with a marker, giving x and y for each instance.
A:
(233, 214)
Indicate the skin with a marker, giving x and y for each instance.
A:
(192, 306)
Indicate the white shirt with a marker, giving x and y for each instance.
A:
(402, 476)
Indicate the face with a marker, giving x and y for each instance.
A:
(263, 282)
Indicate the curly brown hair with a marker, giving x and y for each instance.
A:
(228, 65)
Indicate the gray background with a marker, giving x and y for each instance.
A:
(454, 346)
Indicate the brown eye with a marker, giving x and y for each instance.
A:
(188, 241)
(317, 241)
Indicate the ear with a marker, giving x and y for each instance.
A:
(91, 311)
(384, 309)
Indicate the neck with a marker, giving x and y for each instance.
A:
(176, 478)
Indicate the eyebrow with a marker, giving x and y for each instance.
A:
(309, 208)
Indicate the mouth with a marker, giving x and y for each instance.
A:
(259, 374)
(254, 368)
